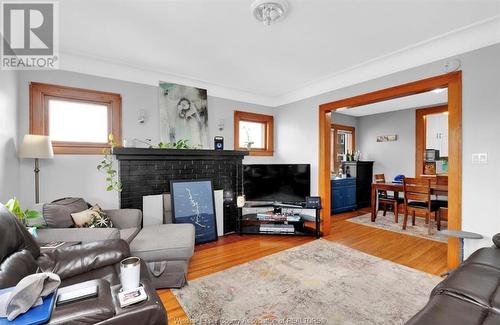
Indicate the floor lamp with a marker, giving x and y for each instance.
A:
(37, 147)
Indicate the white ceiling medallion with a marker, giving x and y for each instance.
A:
(269, 11)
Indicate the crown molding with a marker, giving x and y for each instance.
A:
(462, 40)
(472, 37)
(85, 63)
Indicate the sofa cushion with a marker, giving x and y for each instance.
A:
(486, 256)
(128, 234)
(475, 282)
(58, 213)
(57, 216)
(164, 242)
(85, 235)
(446, 309)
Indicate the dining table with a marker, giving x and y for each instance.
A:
(436, 189)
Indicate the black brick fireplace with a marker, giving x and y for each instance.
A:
(145, 171)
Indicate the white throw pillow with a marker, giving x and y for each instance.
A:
(82, 218)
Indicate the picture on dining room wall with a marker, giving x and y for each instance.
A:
(183, 115)
(387, 138)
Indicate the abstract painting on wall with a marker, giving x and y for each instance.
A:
(183, 115)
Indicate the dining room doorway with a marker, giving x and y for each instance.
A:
(385, 139)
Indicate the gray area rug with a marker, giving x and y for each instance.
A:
(316, 283)
(419, 230)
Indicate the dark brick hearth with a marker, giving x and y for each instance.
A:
(149, 172)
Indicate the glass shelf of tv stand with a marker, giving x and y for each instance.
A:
(250, 224)
(253, 217)
(254, 230)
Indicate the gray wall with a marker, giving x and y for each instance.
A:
(297, 133)
(9, 163)
(71, 175)
(391, 158)
(342, 119)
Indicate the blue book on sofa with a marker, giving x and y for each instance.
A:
(36, 315)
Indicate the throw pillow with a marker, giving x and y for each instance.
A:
(496, 240)
(58, 213)
(81, 219)
(99, 219)
(94, 217)
(57, 216)
(74, 204)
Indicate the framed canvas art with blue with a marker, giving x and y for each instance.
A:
(193, 202)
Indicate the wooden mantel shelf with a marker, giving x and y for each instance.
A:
(171, 154)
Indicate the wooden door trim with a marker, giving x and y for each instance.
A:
(453, 81)
(420, 134)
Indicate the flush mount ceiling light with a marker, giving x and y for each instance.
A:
(268, 11)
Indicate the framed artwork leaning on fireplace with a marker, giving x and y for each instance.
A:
(193, 202)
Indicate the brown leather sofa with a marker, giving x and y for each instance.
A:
(97, 262)
(469, 295)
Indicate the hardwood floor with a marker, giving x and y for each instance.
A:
(422, 254)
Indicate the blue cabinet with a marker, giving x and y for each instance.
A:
(343, 195)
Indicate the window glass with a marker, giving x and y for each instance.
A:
(72, 121)
(252, 135)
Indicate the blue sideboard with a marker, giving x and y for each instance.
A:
(343, 195)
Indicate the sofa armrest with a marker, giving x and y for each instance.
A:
(125, 218)
(74, 260)
(85, 235)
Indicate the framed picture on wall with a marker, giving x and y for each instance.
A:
(193, 202)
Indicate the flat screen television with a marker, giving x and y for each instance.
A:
(283, 183)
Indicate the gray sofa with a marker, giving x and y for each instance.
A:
(166, 249)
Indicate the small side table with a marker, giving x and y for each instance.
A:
(461, 235)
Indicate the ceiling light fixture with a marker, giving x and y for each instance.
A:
(269, 11)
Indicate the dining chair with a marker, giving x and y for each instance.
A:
(386, 200)
(417, 197)
(443, 204)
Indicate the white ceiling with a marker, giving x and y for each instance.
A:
(426, 99)
(217, 44)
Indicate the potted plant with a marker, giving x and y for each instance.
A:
(14, 206)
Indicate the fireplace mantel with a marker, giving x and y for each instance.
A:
(176, 154)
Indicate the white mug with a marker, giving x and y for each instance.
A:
(130, 273)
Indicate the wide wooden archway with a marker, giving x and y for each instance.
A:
(453, 81)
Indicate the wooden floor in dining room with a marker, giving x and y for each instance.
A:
(418, 253)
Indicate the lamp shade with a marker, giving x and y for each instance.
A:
(36, 146)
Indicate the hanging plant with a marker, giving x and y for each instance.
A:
(180, 144)
(106, 166)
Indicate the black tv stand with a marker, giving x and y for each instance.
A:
(279, 219)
